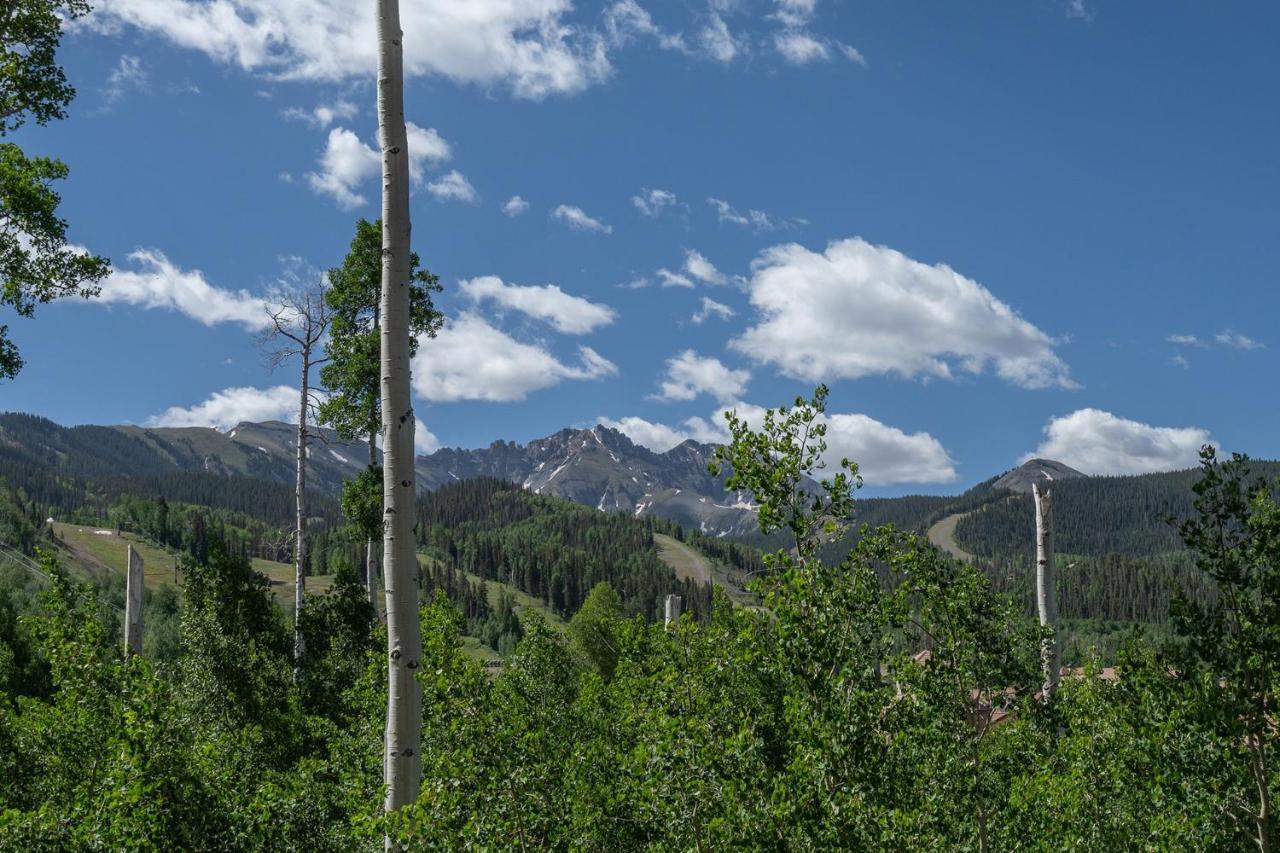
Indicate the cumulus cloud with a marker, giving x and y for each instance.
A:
(529, 46)
(571, 315)
(577, 219)
(885, 454)
(345, 164)
(515, 206)
(711, 308)
(348, 164)
(424, 441)
(1186, 340)
(1098, 442)
(657, 437)
(860, 310)
(323, 115)
(156, 282)
(230, 406)
(471, 360)
(690, 375)
(653, 202)
(452, 186)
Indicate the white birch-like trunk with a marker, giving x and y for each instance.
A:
(133, 603)
(300, 530)
(671, 609)
(371, 575)
(401, 579)
(370, 554)
(1046, 590)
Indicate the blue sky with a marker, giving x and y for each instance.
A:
(993, 229)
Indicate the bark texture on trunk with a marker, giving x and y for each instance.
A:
(401, 578)
(1046, 589)
(370, 555)
(133, 604)
(300, 529)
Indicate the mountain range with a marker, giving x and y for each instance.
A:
(599, 467)
(602, 468)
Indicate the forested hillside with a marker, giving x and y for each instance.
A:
(1095, 516)
(550, 548)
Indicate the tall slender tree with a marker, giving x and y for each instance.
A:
(1047, 590)
(353, 376)
(36, 262)
(299, 323)
(401, 758)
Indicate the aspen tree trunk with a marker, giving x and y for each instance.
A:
(1046, 590)
(370, 561)
(401, 579)
(300, 531)
(133, 603)
(671, 609)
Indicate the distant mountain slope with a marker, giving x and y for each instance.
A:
(553, 549)
(261, 450)
(1043, 471)
(603, 468)
(1094, 515)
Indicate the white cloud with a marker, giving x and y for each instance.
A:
(571, 315)
(795, 13)
(1225, 338)
(452, 186)
(711, 308)
(129, 74)
(757, 220)
(578, 220)
(885, 455)
(860, 310)
(800, 48)
(852, 54)
(1078, 10)
(156, 282)
(653, 202)
(345, 165)
(1098, 442)
(627, 19)
(515, 206)
(348, 163)
(717, 41)
(1235, 340)
(471, 360)
(529, 46)
(638, 283)
(224, 409)
(424, 441)
(323, 115)
(657, 437)
(690, 375)
(674, 279)
(696, 265)
(426, 148)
